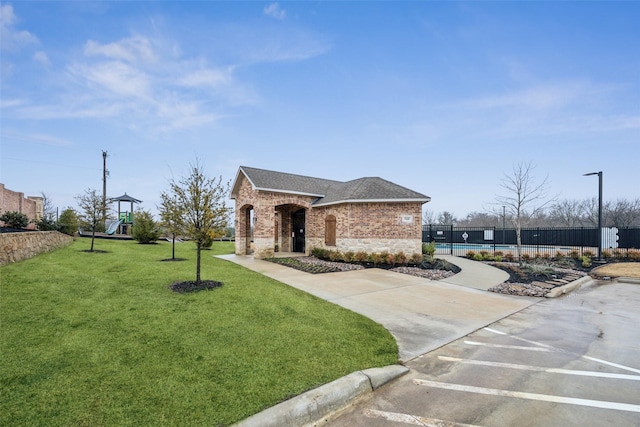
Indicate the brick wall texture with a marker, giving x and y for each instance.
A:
(16, 247)
(13, 201)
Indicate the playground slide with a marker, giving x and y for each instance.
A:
(113, 226)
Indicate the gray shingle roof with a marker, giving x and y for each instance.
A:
(329, 192)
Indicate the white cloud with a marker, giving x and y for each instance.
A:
(42, 58)
(212, 78)
(273, 10)
(11, 38)
(114, 77)
(130, 49)
(35, 138)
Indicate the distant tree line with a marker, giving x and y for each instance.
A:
(561, 213)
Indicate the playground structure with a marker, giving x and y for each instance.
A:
(125, 218)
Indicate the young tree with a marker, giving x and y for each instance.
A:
(91, 204)
(523, 198)
(145, 229)
(171, 218)
(68, 221)
(203, 204)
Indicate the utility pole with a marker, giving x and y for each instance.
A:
(104, 187)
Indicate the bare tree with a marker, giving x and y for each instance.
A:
(202, 201)
(566, 213)
(428, 217)
(447, 218)
(91, 206)
(523, 198)
(622, 213)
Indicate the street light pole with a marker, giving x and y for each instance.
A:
(599, 211)
(504, 223)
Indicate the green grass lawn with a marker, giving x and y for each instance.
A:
(98, 339)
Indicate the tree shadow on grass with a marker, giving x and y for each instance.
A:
(193, 286)
(172, 259)
(95, 251)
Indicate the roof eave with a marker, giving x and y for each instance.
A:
(338, 202)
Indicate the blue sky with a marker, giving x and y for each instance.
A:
(441, 97)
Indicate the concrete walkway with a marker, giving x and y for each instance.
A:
(421, 314)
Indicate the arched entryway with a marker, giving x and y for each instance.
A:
(244, 230)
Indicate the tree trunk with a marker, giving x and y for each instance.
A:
(93, 237)
(198, 262)
(173, 247)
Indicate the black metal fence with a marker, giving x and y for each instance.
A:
(535, 241)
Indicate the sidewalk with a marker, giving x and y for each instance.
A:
(421, 314)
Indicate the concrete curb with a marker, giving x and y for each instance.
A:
(634, 280)
(569, 287)
(314, 405)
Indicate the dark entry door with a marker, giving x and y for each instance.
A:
(298, 230)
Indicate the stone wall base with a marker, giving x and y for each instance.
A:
(393, 246)
(16, 247)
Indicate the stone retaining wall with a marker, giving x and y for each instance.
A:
(20, 246)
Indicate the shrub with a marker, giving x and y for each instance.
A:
(497, 258)
(146, 230)
(401, 258)
(361, 256)
(429, 249)
(47, 224)
(498, 254)
(586, 261)
(477, 257)
(617, 253)
(416, 259)
(484, 254)
(15, 219)
(509, 257)
(376, 259)
(68, 222)
(348, 256)
(318, 253)
(526, 257)
(390, 259)
(606, 254)
(588, 253)
(574, 254)
(546, 256)
(471, 255)
(559, 255)
(383, 256)
(335, 256)
(633, 254)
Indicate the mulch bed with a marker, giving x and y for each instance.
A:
(193, 286)
(313, 265)
(534, 282)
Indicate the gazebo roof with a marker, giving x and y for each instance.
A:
(126, 198)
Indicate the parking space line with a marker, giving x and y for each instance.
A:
(530, 396)
(511, 347)
(550, 348)
(412, 419)
(541, 369)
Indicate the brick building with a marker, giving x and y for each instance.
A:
(13, 201)
(284, 212)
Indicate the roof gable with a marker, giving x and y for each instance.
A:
(327, 192)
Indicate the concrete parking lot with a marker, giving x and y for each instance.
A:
(571, 361)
